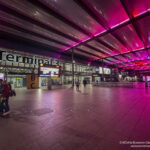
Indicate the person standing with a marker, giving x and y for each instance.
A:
(6, 92)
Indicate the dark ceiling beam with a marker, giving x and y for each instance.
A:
(10, 36)
(48, 9)
(143, 71)
(34, 21)
(30, 32)
(14, 43)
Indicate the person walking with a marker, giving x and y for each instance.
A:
(84, 82)
(6, 92)
(77, 85)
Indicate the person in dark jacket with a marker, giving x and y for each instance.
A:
(1, 87)
(6, 91)
(84, 83)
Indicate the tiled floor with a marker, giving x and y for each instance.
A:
(94, 118)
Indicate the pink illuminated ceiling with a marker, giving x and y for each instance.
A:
(116, 32)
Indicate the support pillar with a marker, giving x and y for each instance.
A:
(102, 70)
(72, 67)
(49, 86)
(146, 82)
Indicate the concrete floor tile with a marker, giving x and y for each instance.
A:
(95, 118)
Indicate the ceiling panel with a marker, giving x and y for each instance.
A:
(114, 61)
(107, 9)
(121, 58)
(101, 47)
(70, 10)
(137, 7)
(30, 37)
(142, 54)
(85, 54)
(86, 49)
(33, 28)
(144, 29)
(112, 41)
(131, 56)
(107, 61)
(135, 64)
(39, 15)
(129, 36)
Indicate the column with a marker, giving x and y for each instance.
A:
(73, 67)
(146, 82)
(102, 70)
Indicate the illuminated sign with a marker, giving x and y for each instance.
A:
(100, 70)
(6, 56)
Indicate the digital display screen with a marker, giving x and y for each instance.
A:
(49, 71)
(107, 71)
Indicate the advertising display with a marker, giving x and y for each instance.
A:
(107, 71)
(49, 71)
(33, 81)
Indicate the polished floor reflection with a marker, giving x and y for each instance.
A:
(94, 118)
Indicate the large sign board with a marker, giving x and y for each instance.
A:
(13, 57)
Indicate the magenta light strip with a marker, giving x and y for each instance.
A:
(120, 23)
(142, 13)
(97, 34)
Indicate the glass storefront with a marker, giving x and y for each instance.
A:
(17, 81)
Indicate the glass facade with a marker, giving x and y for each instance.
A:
(18, 65)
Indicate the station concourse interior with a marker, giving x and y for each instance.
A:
(80, 71)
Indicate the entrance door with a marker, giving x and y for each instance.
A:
(19, 82)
